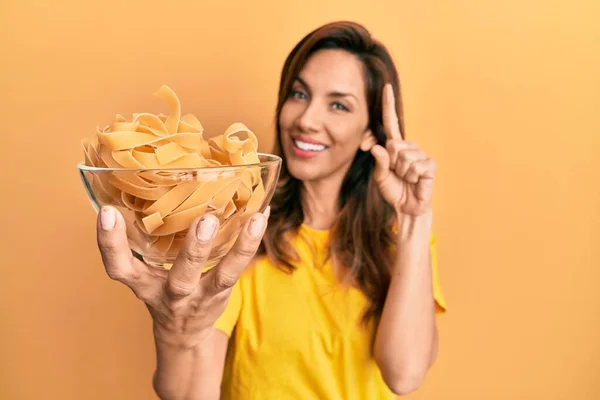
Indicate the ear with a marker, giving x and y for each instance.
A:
(368, 141)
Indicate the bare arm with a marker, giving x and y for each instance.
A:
(406, 341)
(190, 373)
(185, 302)
(215, 360)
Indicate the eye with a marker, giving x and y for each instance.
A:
(298, 94)
(339, 106)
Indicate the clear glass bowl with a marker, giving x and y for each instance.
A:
(158, 205)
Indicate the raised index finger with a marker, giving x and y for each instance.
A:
(391, 125)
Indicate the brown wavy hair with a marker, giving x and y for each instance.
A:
(361, 238)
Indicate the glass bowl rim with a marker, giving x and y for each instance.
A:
(271, 160)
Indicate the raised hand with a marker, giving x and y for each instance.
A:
(403, 171)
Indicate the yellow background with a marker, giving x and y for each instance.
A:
(504, 95)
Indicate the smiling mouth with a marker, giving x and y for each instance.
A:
(309, 146)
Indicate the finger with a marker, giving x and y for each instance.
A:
(186, 271)
(405, 159)
(228, 271)
(422, 169)
(114, 248)
(395, 147)
(382, 163)
(391, 125)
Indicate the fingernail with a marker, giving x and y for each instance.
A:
(107, 218)
(206, 228)
(267, 212)
(256, 226)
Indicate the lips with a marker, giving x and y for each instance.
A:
(308, 146)
(305, 147)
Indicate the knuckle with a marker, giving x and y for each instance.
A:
(401, 167)
(118, 274)
(246, 251)
(224, 280)
(180, 289)
(200, 246)
(216, 302)
(223, 296)
(175, 308)
(197, 251)
(403, 155)
(142, 294)
(194, 257)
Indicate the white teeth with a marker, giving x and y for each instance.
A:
(309, 146)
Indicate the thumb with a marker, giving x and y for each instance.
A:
(382, 163)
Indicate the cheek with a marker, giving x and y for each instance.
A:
(286, 117)
(346, 134)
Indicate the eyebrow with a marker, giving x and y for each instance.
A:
(335, 93)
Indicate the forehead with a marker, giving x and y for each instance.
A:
(334, 70)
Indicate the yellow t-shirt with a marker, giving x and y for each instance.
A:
(299, 336)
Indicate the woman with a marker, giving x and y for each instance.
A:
(337, 301)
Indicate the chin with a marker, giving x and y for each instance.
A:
(302, 170)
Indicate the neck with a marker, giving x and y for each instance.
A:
(320, 202)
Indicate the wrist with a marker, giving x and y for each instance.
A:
(413, 241)
(179, 340)
(413, 227)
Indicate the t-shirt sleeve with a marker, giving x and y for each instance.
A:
(226, 322)
(438, 295)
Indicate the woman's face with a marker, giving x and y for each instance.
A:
(324, 121)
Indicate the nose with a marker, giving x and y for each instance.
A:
(309, 120)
